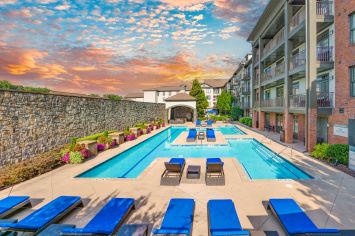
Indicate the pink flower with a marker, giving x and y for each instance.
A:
(100, 147)
(66, 157)
(85, 153)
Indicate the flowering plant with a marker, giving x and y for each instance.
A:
(141, 132)
(100, 147)
(114, 143)
(131, 137)
(148, 130)
(85, 153)
(66, 157)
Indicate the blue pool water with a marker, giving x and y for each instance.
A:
(226, 130)
(258, 161)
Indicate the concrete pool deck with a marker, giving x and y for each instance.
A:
(329, 198)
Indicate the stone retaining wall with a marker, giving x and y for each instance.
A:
(33, 123)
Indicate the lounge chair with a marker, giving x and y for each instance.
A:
(223, 219)
(295, 221)
(198, 123)
(209, 123)
(43, 217)
(211, 137)
(214, 172)
(191, 137)
(11, 204)
(178, 218)
(107, 221)
(173, 172)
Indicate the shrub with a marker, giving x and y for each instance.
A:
(30, 168)
(66, 158)
(113, 143)
(320, 151)
(338, 152)
(85, 153)
(113, 97)
(73, 143)
(75, 158)
(249, 122)
(242, 120)
(100, 147)
(236, 113)
(102, 140)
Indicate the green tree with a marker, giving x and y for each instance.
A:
(224, 102)
(236, 113)
(199, 94)
(6, 85)
(113, 97)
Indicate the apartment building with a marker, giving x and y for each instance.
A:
(213, 88)
(293, 83)
(240, 85)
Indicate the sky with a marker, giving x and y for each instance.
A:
(122, 46)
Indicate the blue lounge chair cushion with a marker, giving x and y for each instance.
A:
(178, 218)
(210, 133)
(10, 202)
(41, 217)
(223, 218)
(192, 133)
(180, 161)
(214, 161)
(209, 122)
(198, 122)
(106, 221)
(294, 219)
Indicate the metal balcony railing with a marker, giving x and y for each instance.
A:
(273, 72)
(275, 41)
(325, 99)
(324, 8)
(245, 105)
(298, 60)
(297, 19)
(246, 75)
(246, 89)
(297, 101)
(276, 102)
(325, 54)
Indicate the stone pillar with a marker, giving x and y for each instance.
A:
(301, 128)
(262, 120)
(288, 127)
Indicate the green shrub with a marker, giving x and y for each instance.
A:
(76, 158)
(96, 136)
(113, 97)
(102, 139)
(236, 113)
(6, 85)
(242, 120)
(249, 122)
(339, 152)
(219, 117)
(320, 151)
(73, 143)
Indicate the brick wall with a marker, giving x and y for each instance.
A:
(344, 58)
(34, 123)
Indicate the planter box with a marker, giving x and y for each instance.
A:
(119, 136)
(135, 131)
(91, 145)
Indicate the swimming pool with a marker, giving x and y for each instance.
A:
(258, 161)
(226, 130)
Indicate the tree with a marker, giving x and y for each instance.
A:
(224, 102)
(236, 113)
(6, 85)
(113, 97)
(199, 94)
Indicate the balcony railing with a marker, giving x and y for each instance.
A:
(297, 19)
(246, 75)
(273, 72)
(275, 41)
(245, 105)
(276, 102)
(297, 101)
(324, 8)
(298, 60)
(325, 100)
(325, 54)
(246, 89)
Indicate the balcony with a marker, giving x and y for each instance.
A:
(246, 75)
(298, 101)
(276, 41)
(273, 72)
(298, 62)
(324, 8)
(275, 104)
(297, 19)
(245, 105)
(325, 103)
(246, 89)
(325, 54)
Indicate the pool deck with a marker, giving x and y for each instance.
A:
(329, 198)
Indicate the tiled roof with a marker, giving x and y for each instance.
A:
(181, 97)
(216, 83)
(135, 95)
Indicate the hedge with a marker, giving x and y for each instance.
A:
(246, 120)
(338, 153)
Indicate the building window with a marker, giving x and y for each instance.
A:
(267, 95)
(323, 84)
(280, 92)
(208, 97)
(295, 88)
(352, 81)
(216, 90)
(208, 90)
(352, 28)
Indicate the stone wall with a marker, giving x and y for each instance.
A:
(34, 123)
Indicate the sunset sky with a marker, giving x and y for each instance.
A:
(122, 46)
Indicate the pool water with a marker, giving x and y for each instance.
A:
(226, 130)
(258, 161)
